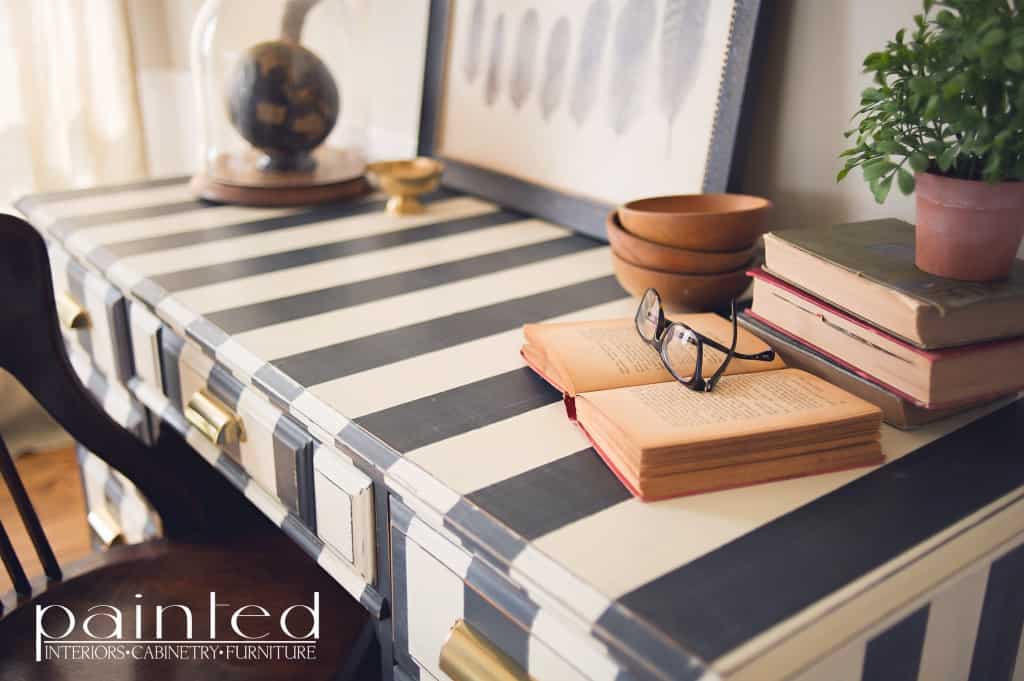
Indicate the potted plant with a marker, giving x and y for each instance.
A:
(945, 115)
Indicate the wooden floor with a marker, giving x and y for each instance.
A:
(55, 487)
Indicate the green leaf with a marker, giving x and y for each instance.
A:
(871, 95)
(934, 147)
(881, 189)
(906, 181)
(842, 174)
(931, 109)
(919, 161)
(992, 167)
(922, 86)
(945, 19)
(954, 86)
(890, 147)
(873, 171)
(993, 38)
(1014, 61)
(946, 159)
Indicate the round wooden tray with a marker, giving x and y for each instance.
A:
(235, 178)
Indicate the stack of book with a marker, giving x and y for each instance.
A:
(847, 303)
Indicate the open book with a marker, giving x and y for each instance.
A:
(762, 422)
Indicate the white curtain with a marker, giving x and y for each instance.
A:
(70, 118)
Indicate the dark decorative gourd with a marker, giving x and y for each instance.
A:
(282, 98)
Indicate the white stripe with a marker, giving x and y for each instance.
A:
(313, 234)
(844, 665)
(318, 331)
(86, 206)
(201, 218)
(501, 450)
(432, 373)
(270, 506)
(953, 618)
(342, 572)
(349, 269)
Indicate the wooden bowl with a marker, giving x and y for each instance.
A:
(691, 291)
(684, 261)
(699, 222)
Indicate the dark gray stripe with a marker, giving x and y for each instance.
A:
(170, 357)
(149, 293)
(307, 541)
(66, 226)
(895, 654)
(245, 318)
(113, 490)
(483, 538)
(434, 418)
(207, 336)
(281, 389)
(725, 598)
(225, 387)
(123, 249)
(232, 471)
(560, 493)
(291, 446)
(400, 597)
(489, 621)
(634, 645)
(360, 444)
(1002, 618)
(349, 357)
(213, 274)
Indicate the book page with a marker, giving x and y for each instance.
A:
(764, 404)
(588, 356)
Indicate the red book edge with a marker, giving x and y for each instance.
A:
(931, 355)
(570, 409)
(971, 401)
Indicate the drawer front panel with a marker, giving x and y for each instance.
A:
(344, 509)
(117, 511)
(145, 330)
(92, 315)
(271, 447)
(115, 400)
(432, 594)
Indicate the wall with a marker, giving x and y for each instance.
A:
(809, 82)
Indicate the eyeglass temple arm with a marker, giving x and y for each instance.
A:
(766, 356)
(730, 352)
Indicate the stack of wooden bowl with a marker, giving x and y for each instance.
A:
(694, 249)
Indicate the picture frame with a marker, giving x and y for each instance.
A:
(475, 74)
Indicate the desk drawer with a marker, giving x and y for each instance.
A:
(270, 446)
(344, 510)
(119, 404)
(117, 511)
(92, 315)
(450, 605)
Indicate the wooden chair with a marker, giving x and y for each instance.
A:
(215, 540)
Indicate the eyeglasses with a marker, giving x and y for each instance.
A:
(683, 350)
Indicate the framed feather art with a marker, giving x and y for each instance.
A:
(564, 109)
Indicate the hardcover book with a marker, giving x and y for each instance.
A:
(763, 421)
(867, 269)
(933, 379)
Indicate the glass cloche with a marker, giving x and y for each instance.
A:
(282, 111)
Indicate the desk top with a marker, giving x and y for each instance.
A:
(398, 338)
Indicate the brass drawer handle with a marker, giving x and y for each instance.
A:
(214, 419)
(105, 527)
(468, 656)
(71, 315)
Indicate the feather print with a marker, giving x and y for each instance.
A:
(474, 41)
(682, 36)
(493, 85)
(634, 30)
(590, 53)
(555, 61)
(521, 82)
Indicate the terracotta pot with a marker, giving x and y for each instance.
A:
(967, 229)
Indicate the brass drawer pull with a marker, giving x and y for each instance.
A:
(468, 656)
(105, 527)
(214, 419)
(71, 315)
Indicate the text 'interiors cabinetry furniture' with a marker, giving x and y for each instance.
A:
(357, 376)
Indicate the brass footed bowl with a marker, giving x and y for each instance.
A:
(405, 181)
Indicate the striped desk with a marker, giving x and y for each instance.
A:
(391, 343)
